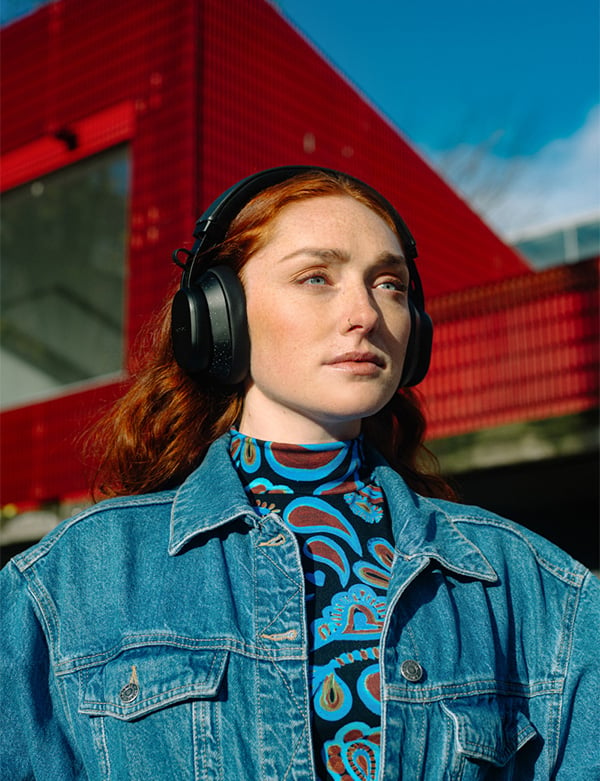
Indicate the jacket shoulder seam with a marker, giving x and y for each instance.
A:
(568, 576)
(28, 558)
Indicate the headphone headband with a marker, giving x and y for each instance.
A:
(214, 223)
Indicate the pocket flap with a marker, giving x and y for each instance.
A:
(147, 678)
(489, 729)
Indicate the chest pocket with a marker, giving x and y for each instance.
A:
(491, 738)
(153, 711)
(148, 678)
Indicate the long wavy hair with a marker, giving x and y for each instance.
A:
(160, 430)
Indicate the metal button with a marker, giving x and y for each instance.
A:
(411, 670)
(129, 692)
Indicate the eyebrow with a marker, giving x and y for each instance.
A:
(333, 255)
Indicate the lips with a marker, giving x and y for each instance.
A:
(357, 357)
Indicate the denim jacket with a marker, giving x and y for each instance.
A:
(164, 637)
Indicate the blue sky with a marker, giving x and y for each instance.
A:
(503, 98)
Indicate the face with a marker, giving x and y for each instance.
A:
(328, 316)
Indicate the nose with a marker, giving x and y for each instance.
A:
(360, 310)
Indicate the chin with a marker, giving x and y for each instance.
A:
(362, 401)
(347, 413)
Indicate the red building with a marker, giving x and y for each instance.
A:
(121, 122)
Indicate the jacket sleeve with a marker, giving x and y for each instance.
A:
(579, 748)
(34, 743)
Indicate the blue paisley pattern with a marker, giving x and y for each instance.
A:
(326, 496)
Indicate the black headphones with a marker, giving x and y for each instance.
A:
(208, 315)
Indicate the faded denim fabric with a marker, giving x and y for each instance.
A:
(164, 637)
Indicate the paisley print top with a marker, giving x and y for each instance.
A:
(326, 496)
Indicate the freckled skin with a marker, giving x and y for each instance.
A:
(329, 323)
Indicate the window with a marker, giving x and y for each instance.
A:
(545, 250)
(588, 239)
(63, 246)
(568, 244)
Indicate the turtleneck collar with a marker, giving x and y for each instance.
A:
(324, 468)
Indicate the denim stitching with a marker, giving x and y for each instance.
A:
(287, 685)
(261, 731)
(449, 733)
(100, 743)
(275, 563)
(47, 611)
(162, 698)
(28, 558)
(224, 644)
(568, 576)
(198, 741)
(295, 750)
(563, 656)
(263, 631)
(291, 599)
(483, 748)
(422, 753)
(472, 688)
(384, 709)
(257, 677)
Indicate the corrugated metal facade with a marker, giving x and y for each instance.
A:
(205, 92)
(522, 349)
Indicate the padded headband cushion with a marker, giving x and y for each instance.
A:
(211, 228)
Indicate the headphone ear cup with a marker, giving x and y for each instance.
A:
(230, 358)
(418, 351)
(209, 327)
(190, 330)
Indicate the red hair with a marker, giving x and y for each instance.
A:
(159, 432)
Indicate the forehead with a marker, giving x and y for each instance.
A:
(334, 216)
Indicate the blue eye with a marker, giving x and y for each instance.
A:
(315, 279)
(393, 284)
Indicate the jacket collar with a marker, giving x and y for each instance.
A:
(426, 528)
(213, 495)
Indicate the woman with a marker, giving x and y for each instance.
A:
(280, 588)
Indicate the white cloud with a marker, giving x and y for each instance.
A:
(560, 182)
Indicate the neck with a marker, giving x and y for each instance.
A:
(284, 425)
